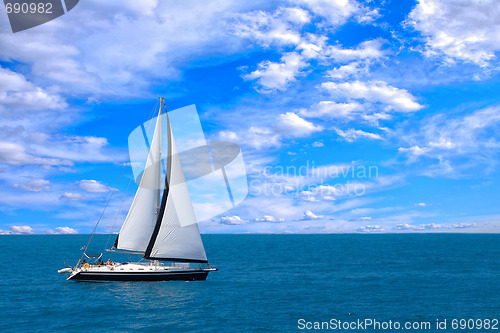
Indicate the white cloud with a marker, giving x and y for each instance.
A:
(290, 123)
(352, 135)
(62, 231)
(447, 137)
(228, 136)
(443, 143)
(232, 220)
(414, 151)
(286, 125)
(93, 186)
(310, 199)
(272, 76)
(259, 137)
(371, 49)
(15, 154)
(421, 204)
(344, 72)
(277, 29)
(27, 230)
(464, 30)
(375, 117)
(35, 185)
(312, 46)
(78, 149)
(57, 150)
(371, 228)
(16, 92)
(269, 218)
(73, 196)
(318, 144)
(331, 109)
(21, 230)
(337, 12)
(144, 42)
(308, 215)
(433, 226)
(284, 28)
(277, 76)
(375, 91)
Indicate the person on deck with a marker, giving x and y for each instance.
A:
(109, 263)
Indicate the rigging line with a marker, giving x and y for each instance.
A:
(119, 210)
(114, 189)
(100, 217)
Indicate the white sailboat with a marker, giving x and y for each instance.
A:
(160, 227)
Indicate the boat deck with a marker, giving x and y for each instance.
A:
(139, 272)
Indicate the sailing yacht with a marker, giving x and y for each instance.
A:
(161, 227)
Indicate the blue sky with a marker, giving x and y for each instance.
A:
(367, 117)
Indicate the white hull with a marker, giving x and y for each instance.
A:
(139, 272)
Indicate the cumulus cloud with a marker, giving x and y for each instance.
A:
(18, 230)
(78, 149)
(145, 42)
(433, 226)
(17, 92)
(352, 135)
(232, 220)
(446, 138)
(345, 71)
(463, 30)
(371, 49)
(337, 12)
(268, 218)
(421, 204)
(318, 144)
(286, 125)
(308, 215)
(331, 109)
(62, 231)
(259, 137)
(271, 29)
(228, 136)
(284, 28)
(35, 185)
(273, 76)
(291, 123)
(376, 92)
(371, 228)
(16, 154)
(72, 196)
(414, 151)
(93, 186)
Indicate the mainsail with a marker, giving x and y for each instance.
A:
(136, 231)
(166, 230)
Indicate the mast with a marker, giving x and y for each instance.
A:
(160, 161)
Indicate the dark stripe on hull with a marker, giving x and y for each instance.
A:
(170, 276)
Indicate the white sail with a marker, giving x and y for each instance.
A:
(135, 233)
(177, 238)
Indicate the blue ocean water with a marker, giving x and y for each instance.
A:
(266, 283)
